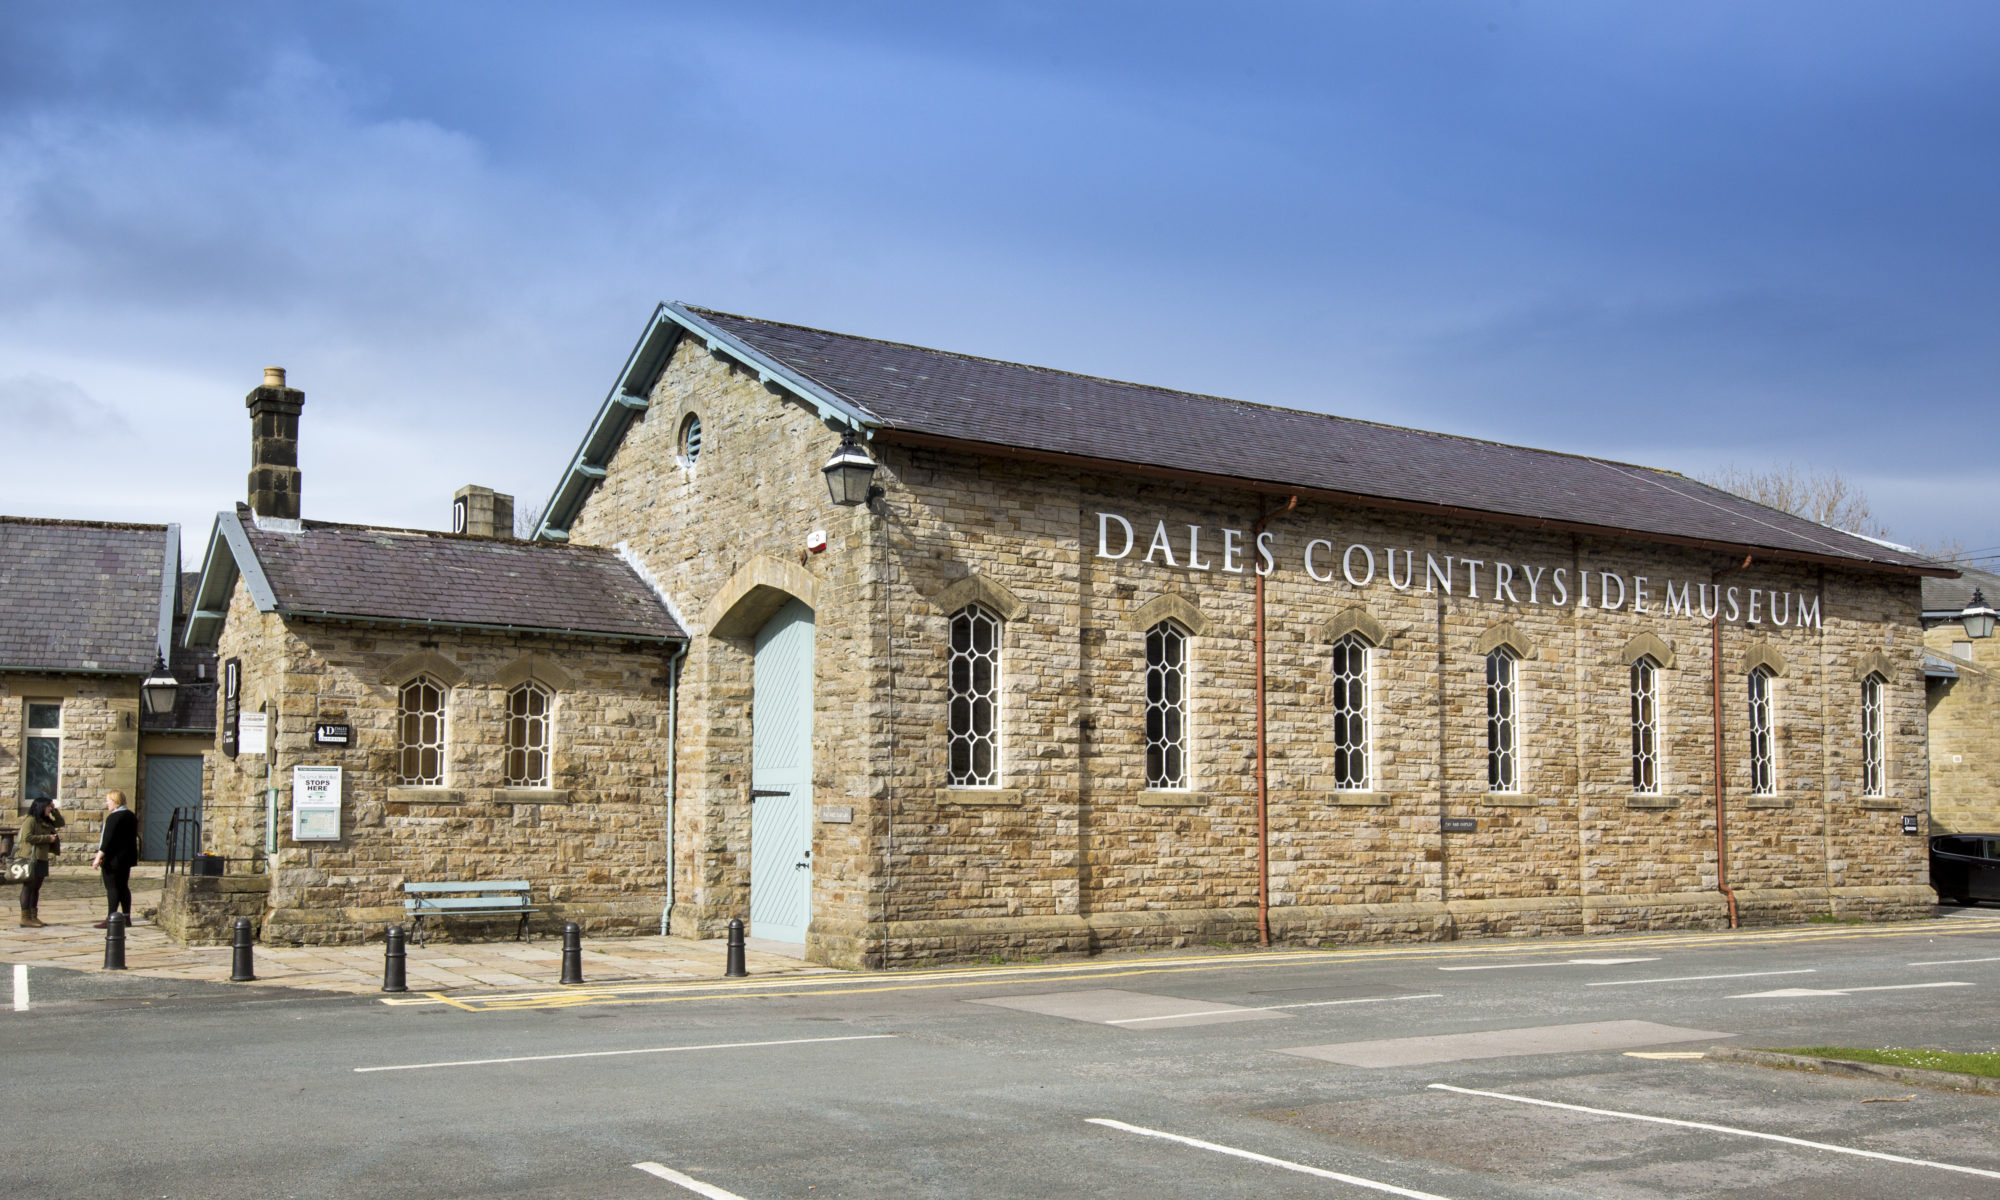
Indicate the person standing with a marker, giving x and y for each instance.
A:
(117, 854)
(42, 838)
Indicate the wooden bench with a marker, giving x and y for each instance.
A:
(502, 899)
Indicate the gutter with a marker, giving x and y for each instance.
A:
(673, 771)
(426, 623)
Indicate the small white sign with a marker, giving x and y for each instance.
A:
(251, 733)
(315, 804)
(836, 814)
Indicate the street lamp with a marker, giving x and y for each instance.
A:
(1978, 616)
(159, 689)
(849, 474)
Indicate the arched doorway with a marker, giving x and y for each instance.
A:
(781, 800)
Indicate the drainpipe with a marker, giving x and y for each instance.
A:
(1263, 777)
(1715, 677)
(673, 769)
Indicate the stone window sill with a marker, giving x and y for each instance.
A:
(1653, 802)
(1362, 799)
(403, 794)
(1168, 798)
(531, 795)
(1508, 800)
(980, 797)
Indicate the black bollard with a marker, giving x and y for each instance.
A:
(572, 952)
(114, 942)
(241, 967)
(392, 961)
(735, 969)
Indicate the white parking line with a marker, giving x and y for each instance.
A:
(691, 1184)
(1556, 962)
(1267, 1160)
(1692, 978)
(1213, 1012)
(1786, 993)
(1953, 962)
(486, 1062)
(20, 987)
(1703, 1125)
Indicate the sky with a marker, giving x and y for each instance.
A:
(1692, 236)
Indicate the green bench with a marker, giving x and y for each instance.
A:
(503, 899)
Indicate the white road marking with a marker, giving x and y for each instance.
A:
(1274, 1007)
(1556, 962)
(1692, 978)
(1785, 993)
(691, 1184)
(1953, 962)
(485, 1062)
(20, 987)
(1267, 1160)
(1748, 1133)
(1667, 1055)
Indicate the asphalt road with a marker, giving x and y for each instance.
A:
(1490, 1069)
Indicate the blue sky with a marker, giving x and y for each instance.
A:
(1687, 235)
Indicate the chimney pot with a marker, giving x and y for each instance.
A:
(274, 377)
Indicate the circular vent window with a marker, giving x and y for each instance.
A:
(690, 440)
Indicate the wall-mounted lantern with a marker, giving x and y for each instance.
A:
(1978, 616)
(849, 475)
(158, 690)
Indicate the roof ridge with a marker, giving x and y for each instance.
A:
(81, 523)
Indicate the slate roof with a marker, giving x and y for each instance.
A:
(916, 390)
(417, 576)
(1952, 595)
(81, 595)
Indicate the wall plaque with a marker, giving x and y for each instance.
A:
(333, 735)
(837, 814)
(1460, 825)
(232, 703)
(1909, 823)
(251, 730)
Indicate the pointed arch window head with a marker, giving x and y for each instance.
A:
(1167, 706)
(1646, 726)
(420, 733)
(1503, 765)
(1352, 751)
(1763, 751)
(973, 724)
(530, 713)
(1874, 742)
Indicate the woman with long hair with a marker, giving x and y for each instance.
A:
(43, 841)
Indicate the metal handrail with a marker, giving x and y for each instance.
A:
(183, 838)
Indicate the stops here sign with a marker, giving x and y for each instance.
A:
(315, 804)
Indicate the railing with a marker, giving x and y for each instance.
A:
(183, 839)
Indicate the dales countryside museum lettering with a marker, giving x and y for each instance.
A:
(1523, 583)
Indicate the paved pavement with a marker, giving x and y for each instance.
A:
(73, 899)
(1492, 1070)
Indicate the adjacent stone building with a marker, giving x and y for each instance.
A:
(87, 610)
(1964, 707)
(1108, 665)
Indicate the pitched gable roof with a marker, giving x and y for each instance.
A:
(912, 393)
(421, 577)
(86, 596)
(1946, 598)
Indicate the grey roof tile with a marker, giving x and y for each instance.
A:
(79, 595)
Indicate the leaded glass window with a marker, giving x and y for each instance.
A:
(1502, 734)
(974, 720)
(528, 712)
(420, 733)
(1874, 757)
(1763, 755)
(1166, 706)
(1350, 714)
(1646, 727)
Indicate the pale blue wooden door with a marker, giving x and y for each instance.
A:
(781, 804)
(172, 781)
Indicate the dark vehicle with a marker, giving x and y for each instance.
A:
(1965, 867)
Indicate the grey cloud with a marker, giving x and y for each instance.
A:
(40, 405)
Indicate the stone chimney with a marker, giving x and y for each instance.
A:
(274, 446)
(482, 512)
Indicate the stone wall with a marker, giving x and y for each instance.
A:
(593, 844)
(1964, 715)
(100, 717)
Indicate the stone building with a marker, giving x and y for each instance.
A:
(403, 705)
(87, 610)
(1106, 665)
(1964, 707)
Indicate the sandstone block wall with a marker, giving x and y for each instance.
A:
(100, 716)
(1964, 716)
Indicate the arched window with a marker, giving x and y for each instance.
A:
(1166, 706)
(420, 733)
(974, 721)
(690, 439)
(1351, 750)
(1503, 767)
(1763, 753)
(1646, 726)
(529, 708)
(1874, 752)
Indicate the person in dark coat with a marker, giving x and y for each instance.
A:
(117, 854)
(42, 838)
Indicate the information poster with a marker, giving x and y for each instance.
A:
(250, 733)
(315, 804)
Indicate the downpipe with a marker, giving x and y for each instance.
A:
(673, 770)
(1721, 784)
(1263, 774)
